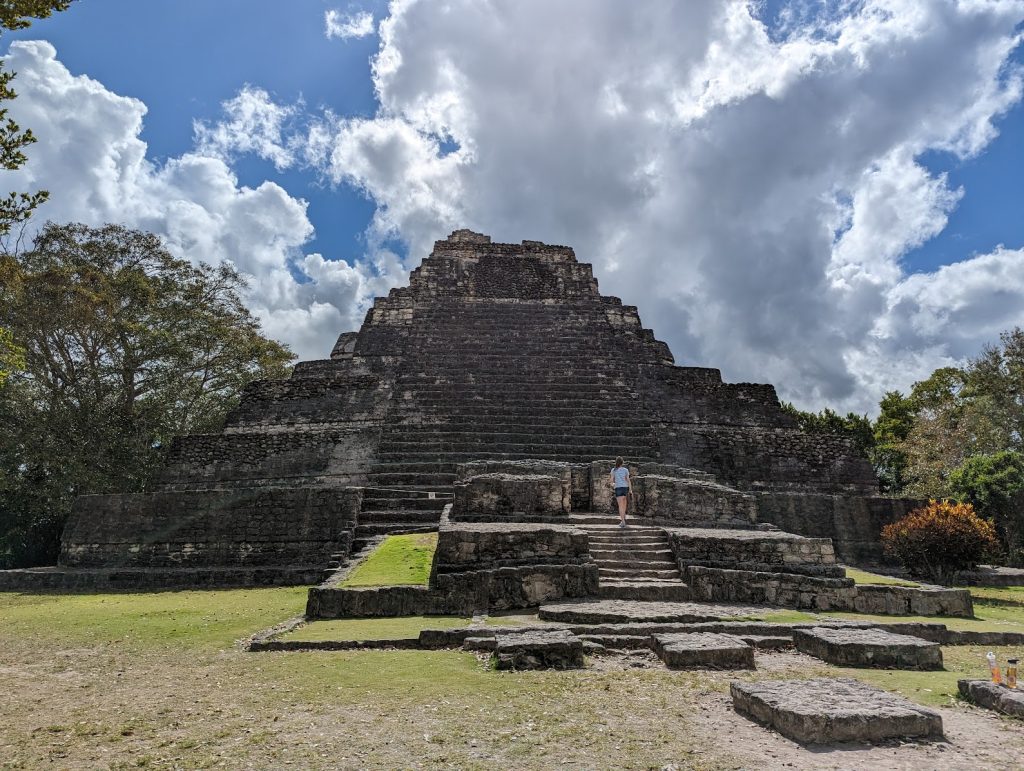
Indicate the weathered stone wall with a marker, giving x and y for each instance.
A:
(756, 458)
(821, 593)
(508, 496)
(322, 400)
(755, 550)
(602, 498)
(853, 523)
(331, 457)
(692, 503)
(512, 565)
(248, 526)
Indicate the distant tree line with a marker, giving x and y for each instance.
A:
(958, 434)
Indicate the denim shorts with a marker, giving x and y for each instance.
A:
(621, 492)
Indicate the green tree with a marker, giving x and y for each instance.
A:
(17, 207)
(994, 485)
(11, 356)
(856, 428)
(890, 429)
(124, 347)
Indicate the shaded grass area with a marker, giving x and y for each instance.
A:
(405, 627)
(864, 577)
(400, 560)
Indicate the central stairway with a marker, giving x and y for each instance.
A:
(634, 562)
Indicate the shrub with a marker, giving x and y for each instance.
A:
(940, 539)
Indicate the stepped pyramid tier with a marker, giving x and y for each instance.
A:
(494, 352)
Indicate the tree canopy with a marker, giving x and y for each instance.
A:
(122, 347)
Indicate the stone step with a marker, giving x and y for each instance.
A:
(575, 456)
(423, 503)
(630, 563)
(387, 479)
(389, 516)
(644, 590)
(450, 456)
(625, 541)
(631, 573)
(652, 553)
(455, 424)
(409, 492)
(364, 532)
(513, 433)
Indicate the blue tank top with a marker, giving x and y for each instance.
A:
(621, 476)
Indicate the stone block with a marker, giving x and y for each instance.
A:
(993, 696)
(847, 647)
(692, 502)
(559, 649)
(826, 711)
(499, 495)
(703, 650)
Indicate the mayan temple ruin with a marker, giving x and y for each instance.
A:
(486, 400)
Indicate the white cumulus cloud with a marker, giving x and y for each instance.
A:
(92, 160)
(338, 25)
(753, 190)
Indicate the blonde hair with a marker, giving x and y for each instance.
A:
(618, 461)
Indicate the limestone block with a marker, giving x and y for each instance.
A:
(994, 696)
(826, 710)
(506, 495)
(558, 649)
(847, 647)
(703, 650)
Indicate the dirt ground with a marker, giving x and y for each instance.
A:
(112, 706)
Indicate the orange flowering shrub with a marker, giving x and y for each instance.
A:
(940, 539)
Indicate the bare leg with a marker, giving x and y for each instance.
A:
(621, 500)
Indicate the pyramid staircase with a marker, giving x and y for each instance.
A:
(635, 562)
(497, 381)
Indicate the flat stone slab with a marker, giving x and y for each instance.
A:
(990, 695)
(830, 710)
(703, 650)
(626, 611)
(868, 648)
(542, 649)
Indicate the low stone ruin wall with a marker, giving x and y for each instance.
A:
(479, 567)
(757, 550)
(601, 495)
(201, 528)
(575, 475)
(495, 496)
(692, 503)
(820, 593)
(853, 523)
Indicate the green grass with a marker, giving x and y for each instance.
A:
(937, 689)
(863, 577)
(188, 618)
(401, 560)
(372, 628)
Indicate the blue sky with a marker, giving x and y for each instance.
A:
(764, 180)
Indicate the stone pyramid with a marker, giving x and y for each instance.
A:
(493, 352)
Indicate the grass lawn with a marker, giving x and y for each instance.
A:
(405, 627)
(399, 560)
(154, 680)
(864, 577)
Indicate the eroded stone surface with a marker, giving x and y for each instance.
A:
(539, 649)
(827, 710)
(868, 648)
(993, 696)
(624, 611)
(703, 650)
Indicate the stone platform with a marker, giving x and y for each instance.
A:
(825, 710)
(538, 649)
(868, 648)
(993, 696)
(703, 650)
(626, 611)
